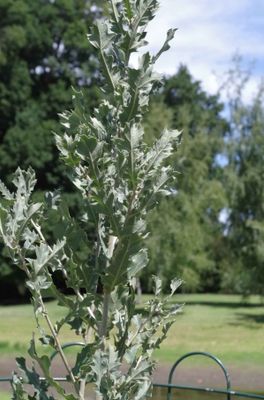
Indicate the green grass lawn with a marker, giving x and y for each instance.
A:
(4, 396)
(220, 324)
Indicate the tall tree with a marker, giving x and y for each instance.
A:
(244, 262)
(43, 52)
(186, 226)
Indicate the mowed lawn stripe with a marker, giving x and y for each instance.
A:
(225, 325)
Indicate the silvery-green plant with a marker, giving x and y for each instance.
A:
(121, 179)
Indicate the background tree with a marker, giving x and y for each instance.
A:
(43, 52)
(243, 263)
(186, 227)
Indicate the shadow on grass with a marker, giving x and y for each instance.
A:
(249, 318)
(7, 348)
(212, 303)
(228, 304)
(220, 303)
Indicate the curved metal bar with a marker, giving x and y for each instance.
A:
(205, 354)
(65, 346)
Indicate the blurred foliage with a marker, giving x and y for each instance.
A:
(243, 261)
(186, 226)
(43, 53)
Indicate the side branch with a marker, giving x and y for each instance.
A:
(58, 345)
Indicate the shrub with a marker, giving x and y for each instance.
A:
(121, 179)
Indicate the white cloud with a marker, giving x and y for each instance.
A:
(210, 32)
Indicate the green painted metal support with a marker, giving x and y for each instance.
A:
(170, 386)
(65, 346)
(208, 390)
(228, 391)
(204, 354)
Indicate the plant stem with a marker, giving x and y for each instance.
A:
(58, 345)
(82, 389)
(38, 230)
(103, 328)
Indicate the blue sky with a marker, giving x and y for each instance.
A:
(209, 33)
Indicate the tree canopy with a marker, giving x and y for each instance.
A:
(243, 266)
(186, 225)
(43, 53)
